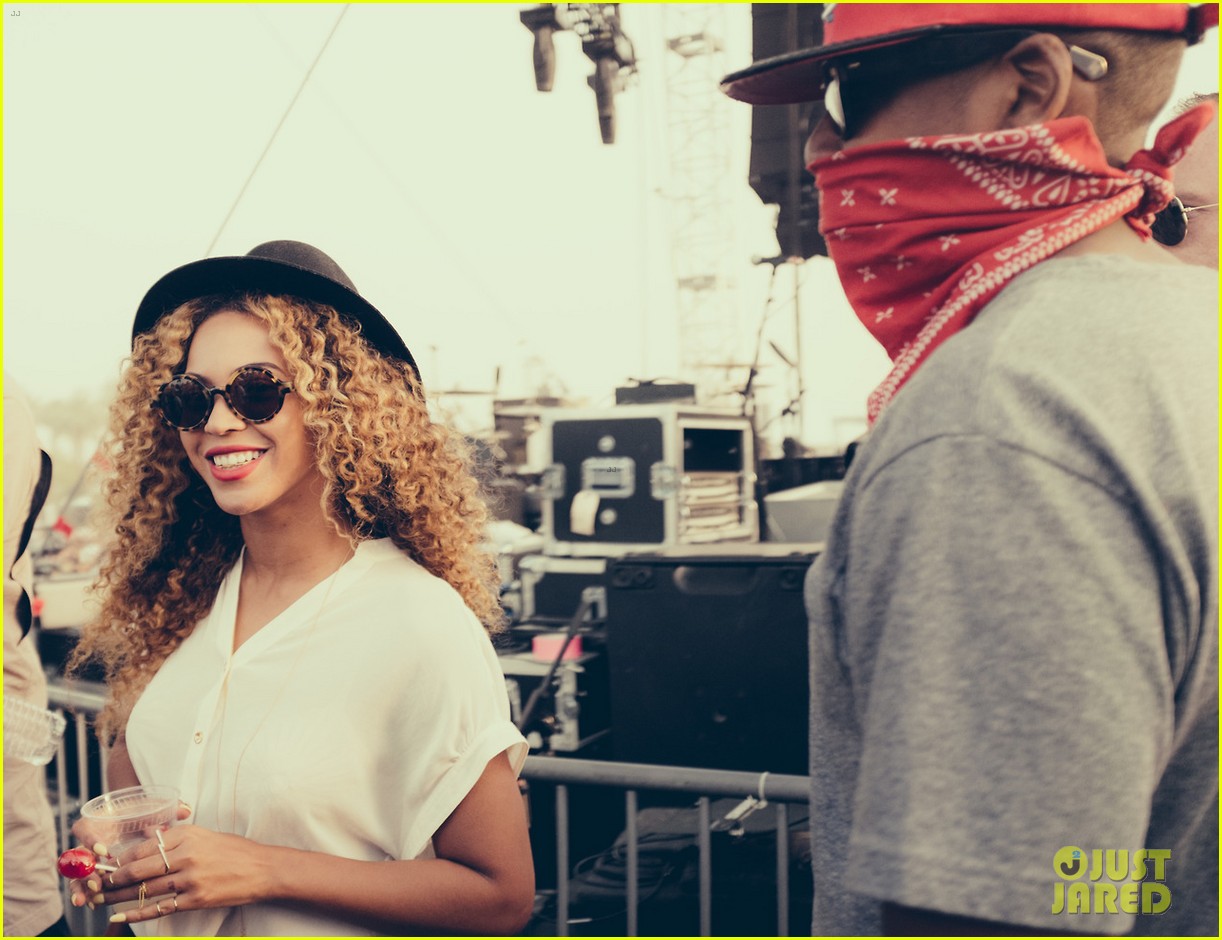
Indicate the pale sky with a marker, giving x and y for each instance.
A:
(486, 220)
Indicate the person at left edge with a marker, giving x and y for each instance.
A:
(295, 618)
(32, 902)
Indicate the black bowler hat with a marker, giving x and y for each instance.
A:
(280, 267)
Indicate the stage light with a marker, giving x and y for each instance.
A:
(543, 22)
(602, 40)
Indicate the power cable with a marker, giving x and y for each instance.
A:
(289, 110)
(470, 275)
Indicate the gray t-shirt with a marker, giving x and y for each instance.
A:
(1014, 626)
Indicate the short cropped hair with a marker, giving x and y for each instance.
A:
(1142, 68)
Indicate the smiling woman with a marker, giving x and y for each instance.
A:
(294, 623)
(263, 468)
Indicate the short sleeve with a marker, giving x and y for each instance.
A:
(461, 721)
(1012, 686)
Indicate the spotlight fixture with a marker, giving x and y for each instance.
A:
(602, 40)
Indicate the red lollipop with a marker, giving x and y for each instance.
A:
(80, 863)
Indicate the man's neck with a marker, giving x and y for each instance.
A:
(1120, 239)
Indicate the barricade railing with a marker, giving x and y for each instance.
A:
(82, 701)
(757, 789)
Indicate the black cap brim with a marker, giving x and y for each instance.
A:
(797, 77)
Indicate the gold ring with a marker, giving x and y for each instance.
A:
(111, 878)
(143, 894)
(157, 906)
(175, 900)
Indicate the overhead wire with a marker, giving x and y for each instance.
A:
(470, 276)
(276, 131)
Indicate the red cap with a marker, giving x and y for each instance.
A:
(858, 27)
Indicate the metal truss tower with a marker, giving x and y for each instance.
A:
(703, 239)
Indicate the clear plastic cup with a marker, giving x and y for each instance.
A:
(123, 818)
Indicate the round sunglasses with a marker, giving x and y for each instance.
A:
(253, 394)
(1170, 226)
(853, 88)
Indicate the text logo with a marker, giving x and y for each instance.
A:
(1110, 881)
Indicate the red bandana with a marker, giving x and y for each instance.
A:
(924, 232)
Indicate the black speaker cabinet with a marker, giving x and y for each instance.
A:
(708, 658)
(778, 132)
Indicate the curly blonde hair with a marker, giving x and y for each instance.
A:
(389, 471)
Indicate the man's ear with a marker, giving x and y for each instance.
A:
(1041, 71)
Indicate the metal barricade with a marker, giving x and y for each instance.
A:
(781, 790)
(83, 701)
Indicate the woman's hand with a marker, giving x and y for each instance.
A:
(81, 891)
(189, 868)
(480, 882)
(88, 834)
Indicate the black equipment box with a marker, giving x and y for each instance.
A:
(651, 393)
(708, 658)
(573, 713)
(553, 588)
(639, 477)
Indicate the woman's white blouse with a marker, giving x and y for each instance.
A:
(352, 727)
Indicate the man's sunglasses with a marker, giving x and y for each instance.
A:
(855, 87)
(1171, 224)
(253, 394)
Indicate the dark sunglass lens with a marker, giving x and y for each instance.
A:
(1171, 224)
(255, 395)
(184, 403)
(858, 101)
(833, 106)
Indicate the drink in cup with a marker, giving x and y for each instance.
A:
(123, 818)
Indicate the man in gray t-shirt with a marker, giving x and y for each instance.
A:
(1014, 712)
(1015, 644)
